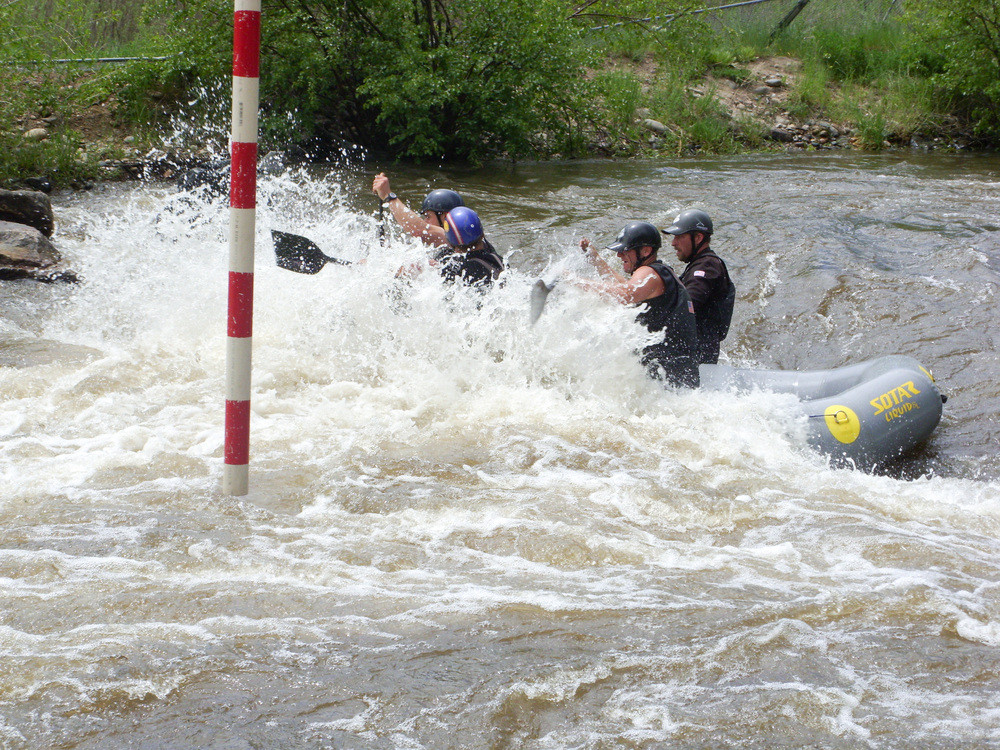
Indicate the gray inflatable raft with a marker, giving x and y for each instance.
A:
(864, 414)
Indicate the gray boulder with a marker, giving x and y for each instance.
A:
(28, 207)
(654, 125)
(25, 253)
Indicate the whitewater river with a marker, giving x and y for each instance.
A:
(465, 532)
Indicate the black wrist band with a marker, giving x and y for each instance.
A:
(390, 197)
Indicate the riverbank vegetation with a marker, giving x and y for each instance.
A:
(474, 80)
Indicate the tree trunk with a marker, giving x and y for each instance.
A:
(788, 19)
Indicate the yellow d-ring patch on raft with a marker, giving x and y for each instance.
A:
(843, 423)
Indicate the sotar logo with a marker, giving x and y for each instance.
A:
(897, 397)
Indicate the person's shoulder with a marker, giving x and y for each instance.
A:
(717, 257)
(661, 270)
(652, 278)
(487, 254)
(644, 271)
(488, 248)
(707, 264)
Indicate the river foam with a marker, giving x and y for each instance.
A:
(461, 529)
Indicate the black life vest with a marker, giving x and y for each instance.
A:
(715, 314)
(675, 357)
(478, 267)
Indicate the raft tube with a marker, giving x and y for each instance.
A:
(865, 414)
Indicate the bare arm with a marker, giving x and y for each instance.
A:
(602, 266)
(411, 222)
(645, 284)
(414, 224)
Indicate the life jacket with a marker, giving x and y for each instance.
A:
(715, 314)
(675, 357)
(479, 267)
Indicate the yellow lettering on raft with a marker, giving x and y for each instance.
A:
(900, 411)
(894, 397)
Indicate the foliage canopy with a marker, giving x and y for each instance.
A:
(966, 35)
(462, 79)
(474, 79)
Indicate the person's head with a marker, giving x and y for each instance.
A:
(438, 203)
(636, 245)
(692, 232)
(462, 227)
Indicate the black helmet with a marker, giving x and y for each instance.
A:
(441, 200)
(636, 234)
(690, 220)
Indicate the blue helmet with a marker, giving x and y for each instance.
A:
(441, 200)
(462, 227)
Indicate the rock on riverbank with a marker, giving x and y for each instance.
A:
(26, 252)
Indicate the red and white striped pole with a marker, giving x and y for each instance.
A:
(242, 224)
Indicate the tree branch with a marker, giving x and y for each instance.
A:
(579, 11)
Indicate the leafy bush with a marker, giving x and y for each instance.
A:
(620, 94)
(467, 79)
(966, 33)
(501, 73)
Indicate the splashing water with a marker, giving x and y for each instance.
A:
(462, 530)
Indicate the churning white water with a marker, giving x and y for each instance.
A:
(463, 531)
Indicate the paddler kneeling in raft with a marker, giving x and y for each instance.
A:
(665, 305)
(468, 257)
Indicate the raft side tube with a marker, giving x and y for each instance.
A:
(867, 413)
(877, 420)
(806, 384)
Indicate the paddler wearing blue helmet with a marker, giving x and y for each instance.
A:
(468, 257)
(464, 254)
(665, 308)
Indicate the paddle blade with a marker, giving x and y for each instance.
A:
(539, 293)
(298, 254)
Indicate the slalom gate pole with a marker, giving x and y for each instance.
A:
(242, 224)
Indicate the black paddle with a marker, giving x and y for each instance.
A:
(301, 255)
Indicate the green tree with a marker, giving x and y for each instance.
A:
(462, 79)
(490, 76)
(966, 35)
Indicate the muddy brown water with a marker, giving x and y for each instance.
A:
(466, 532)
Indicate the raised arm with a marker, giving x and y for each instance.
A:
(602, 266)
(411, 222)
